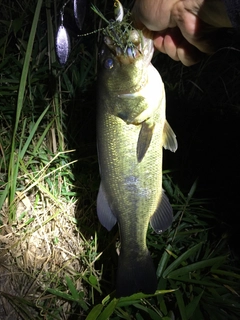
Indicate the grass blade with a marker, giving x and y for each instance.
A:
(181, 259)
(108, 311)
(13, 167)
(192, 306)
(95, 312)
(195, 266)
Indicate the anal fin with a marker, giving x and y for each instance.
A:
(163, 215)
(105, 215)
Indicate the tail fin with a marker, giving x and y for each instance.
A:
(135, 274)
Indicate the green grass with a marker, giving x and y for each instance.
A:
(57, 262)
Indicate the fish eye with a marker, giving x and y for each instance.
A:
(108, 63)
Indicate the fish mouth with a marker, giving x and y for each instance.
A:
(128, 50)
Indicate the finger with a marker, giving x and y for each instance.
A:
(177, 47)
(193, 29)
(188, 54)
(154, 14)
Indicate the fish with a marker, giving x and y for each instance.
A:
(131, 132)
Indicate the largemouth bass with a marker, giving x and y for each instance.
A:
(131, 131)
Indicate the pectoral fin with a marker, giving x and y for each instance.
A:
(105, 215)
(144, 138)
(163, 216)
(169, 138)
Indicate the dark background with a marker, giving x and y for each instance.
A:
(203, 104)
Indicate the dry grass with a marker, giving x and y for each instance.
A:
(40, 249)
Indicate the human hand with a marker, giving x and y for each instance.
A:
(183, 29)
